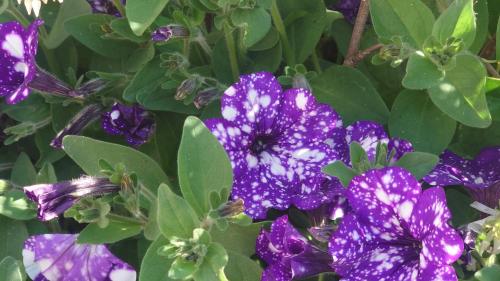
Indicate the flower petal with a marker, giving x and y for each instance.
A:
(385, 198)
(57, 256)
(368, 134)
(253, 102)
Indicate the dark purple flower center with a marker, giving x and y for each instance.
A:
(262, 143)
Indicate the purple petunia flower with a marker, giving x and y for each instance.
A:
(288, 254)
(395, 231)
(369, 134)
(133, 122)
(349, 8)
(277, 143)
(78, 123)
(53, 199)
(57, 257)
(17, 59)
(105, 7)
(481, 175)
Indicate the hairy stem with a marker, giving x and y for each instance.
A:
(231, 48)
(280, 26)
(359, 56)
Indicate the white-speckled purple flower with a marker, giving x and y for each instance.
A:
(53, 199)
(481, 176)
(17, 59)
(288, 254)
(395, 231)
(57, 257)
(277, 142)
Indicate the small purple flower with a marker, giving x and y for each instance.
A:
(105, 7)
(349, 8)
(165, 33)
(133, 122)
(288, 254)
(369, 134)
(17, 59)
(78, 123)
(277, 142)
(57, 257)
(53, 199)
(395, 231)
(481, 175)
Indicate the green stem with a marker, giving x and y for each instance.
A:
(233, 59)
(280, 26)
(315, 61)
(119, 6)
(321, 277)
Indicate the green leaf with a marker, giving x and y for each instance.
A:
(33, 109)
(23, 172)
(461, 94)
(146, 80)
(256, 23)
(175, 216)
(113, 232)
(212, 268)
(122, 28)
(305, 22)
(457, 21)
(47, 174)
(182, 269)
(269, 41)
(142, 13)
(90, 31)
(237, 238)
(482, 22)
(340, 170)
(415, 118)
(421, 73)
(204, 166)
(418, 163)
(498, 41)
(87, 152)
(351, 94)
(458, 201)
(14, 204)
(411, 19)
(67, 10)
(12, 236)
(11, 270)
(491, 273)
(155, 267)
(242, 268)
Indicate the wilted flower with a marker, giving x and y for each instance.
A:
(165, 33)
(395, 231)
(17, 59)
(288, 254)
(133, 122)
(105, 7)
(55, 198)
(275, 140)
(205, 97)
(481, 176)
(79, 122)
(57, 257)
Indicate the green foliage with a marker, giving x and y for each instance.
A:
(113, 232)
(12, 236)
(434, 130)
(351, 94)
(87, 152)
(411, 19)
(418, 163)
(142, 13)
(204, 166)
(11, 269)
(458, 21)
